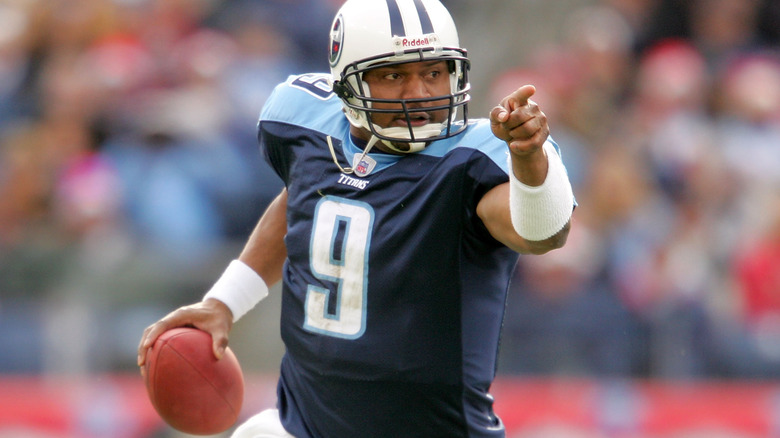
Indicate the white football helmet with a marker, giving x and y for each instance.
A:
(367, 33)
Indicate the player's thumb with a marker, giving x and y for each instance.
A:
(219, 344)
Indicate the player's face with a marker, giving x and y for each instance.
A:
(413, 80)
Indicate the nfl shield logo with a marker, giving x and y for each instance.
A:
(363, 165)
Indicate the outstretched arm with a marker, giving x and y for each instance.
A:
(259, 264)
(531, 213)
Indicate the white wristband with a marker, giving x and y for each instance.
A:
(239, 287)
(540, 212)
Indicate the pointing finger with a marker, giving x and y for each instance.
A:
(519, 97)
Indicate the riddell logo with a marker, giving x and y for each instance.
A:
(416, 42)
(402, 43)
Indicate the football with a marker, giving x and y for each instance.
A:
(189, 388)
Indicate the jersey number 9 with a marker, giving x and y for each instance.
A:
(340, 239)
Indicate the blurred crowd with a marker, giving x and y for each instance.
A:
(669, 113)
(129, 175)
(129, 167)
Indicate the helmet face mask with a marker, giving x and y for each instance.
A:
(364, 37)
(356, 94)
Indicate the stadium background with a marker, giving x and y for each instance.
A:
(129, 176)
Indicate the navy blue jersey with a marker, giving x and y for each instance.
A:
(394, 290)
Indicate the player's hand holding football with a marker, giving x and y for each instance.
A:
(211, 316)
(520, 122)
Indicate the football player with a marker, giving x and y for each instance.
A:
(395, 235)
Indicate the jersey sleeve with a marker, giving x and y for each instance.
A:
(303, 105)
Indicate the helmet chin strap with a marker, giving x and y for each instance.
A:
(413, 146)
(348, 170)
